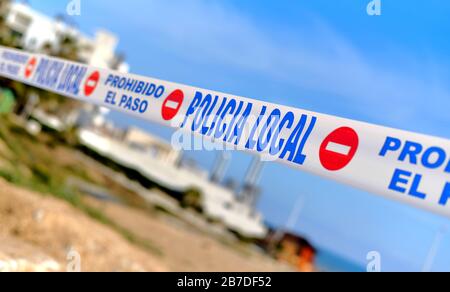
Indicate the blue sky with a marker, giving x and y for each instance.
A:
(322, 55)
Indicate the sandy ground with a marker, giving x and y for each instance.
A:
(186, 249)
(41, 233)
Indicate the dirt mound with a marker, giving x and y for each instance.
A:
(46, 231)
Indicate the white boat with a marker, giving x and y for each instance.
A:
(218, 202)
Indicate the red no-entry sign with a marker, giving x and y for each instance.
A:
(339, 148)
(172, 105)
(91, 83)
(30, 67)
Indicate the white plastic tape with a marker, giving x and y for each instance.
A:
(400, 165)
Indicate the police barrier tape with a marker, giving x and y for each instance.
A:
(400, 165)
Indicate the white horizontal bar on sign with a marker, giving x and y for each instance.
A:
(91, 83)
(338, 148)
(172, 104)
(404, 166)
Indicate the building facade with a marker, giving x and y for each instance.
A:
(35, 31)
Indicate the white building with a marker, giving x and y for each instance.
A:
(35, 29)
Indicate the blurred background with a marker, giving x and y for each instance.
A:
(68, 202)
